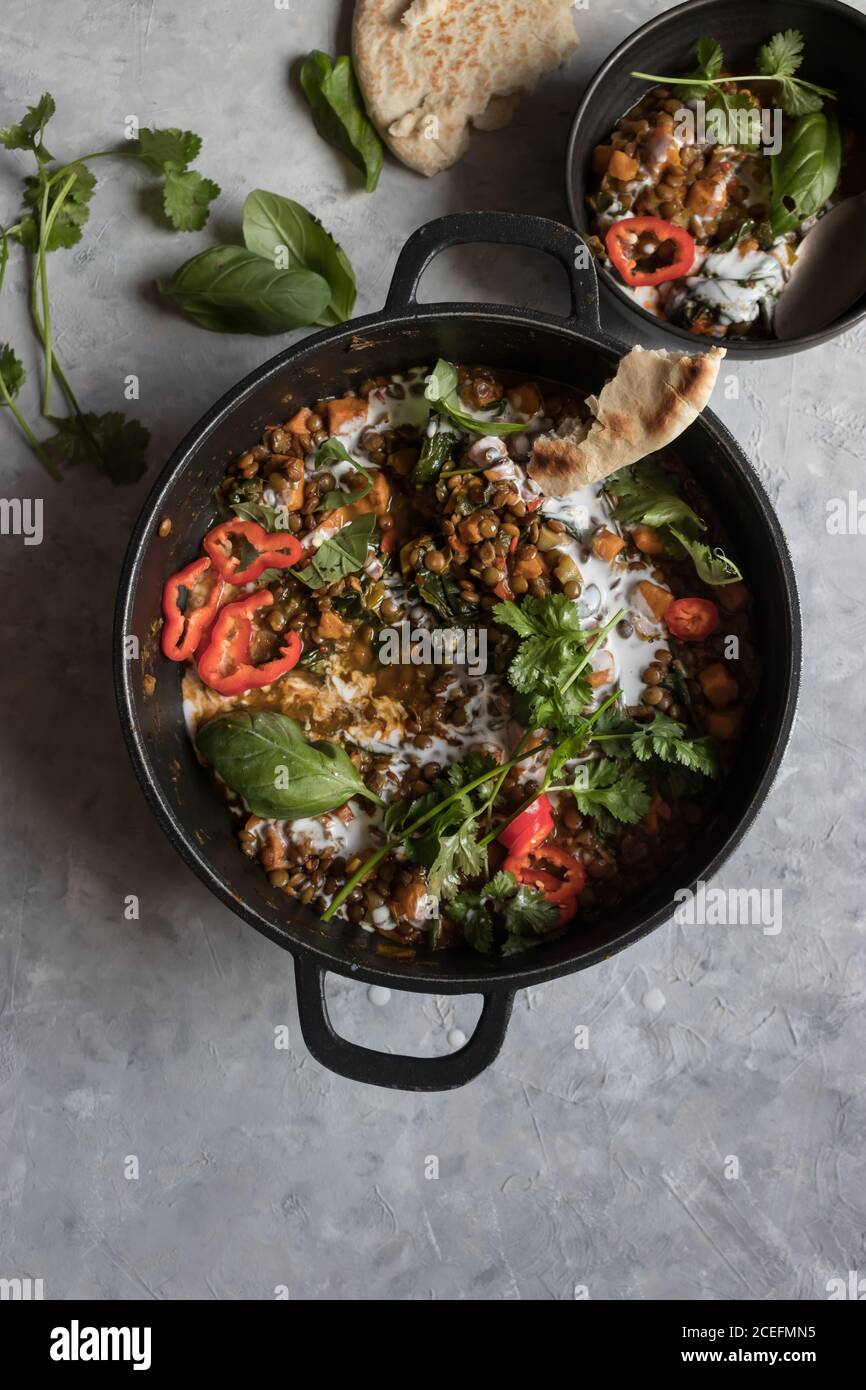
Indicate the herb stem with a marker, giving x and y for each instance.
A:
(407, 830)
(718, 83)
(28, 433)
(592, 649)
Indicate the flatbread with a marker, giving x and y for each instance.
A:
(652, 398)
(427, 68)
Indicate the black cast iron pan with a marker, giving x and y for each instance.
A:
(407, 333)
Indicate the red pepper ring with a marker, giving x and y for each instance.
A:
(623, 251)
(530, 829)
(184, 628)
(562, 889)
(276, 550)
(225, 663)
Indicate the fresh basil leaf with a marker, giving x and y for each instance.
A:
(333, 450)
(280, 774)
(271, 222)
(441, 392)
(12, 373)
(342, 554)
(268, 517)
(711, 563)
(229, 290)
(27, 133)
(338, 113)
(806, 171)
(186, 198)
(117, 446)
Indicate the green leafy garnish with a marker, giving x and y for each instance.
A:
(26, 134)
(643, 493)
(777, 61)
(806, 171)
(56, 207)
(338, 113)
(115, 445)
(333, 450)
(272, 223)
(441, 392)
(441, 592)
(436, 450)
(524, 913)
(711, 563)
(280, 774)
(601, 785)
(666, 739)
(342, 554)
(230, 290)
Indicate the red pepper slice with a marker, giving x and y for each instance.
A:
(276, 549)
(530, 829)
(623, 238)
(692, 619)
(184, 627)
(225, 663)
(562, 888)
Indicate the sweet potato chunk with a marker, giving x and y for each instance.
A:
(657, 599)
(648, 540)
(733, 597)
(342, 411)
(622, 165)
(606, 545)
(298, 423)
(718, 685)
(725, 723)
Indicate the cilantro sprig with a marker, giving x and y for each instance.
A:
(523, 914)
(778, 61)
(56, 202)
(645, 493)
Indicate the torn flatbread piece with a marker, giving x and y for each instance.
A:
(430, 68)
(653, 397)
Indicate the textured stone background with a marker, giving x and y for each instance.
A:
(155, 1038)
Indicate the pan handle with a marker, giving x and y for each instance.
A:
(505, 229)
(396, 1071)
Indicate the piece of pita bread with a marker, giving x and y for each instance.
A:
(652, 398)
(427, 68)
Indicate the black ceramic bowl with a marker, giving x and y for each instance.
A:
(571, 349)
(835, 57)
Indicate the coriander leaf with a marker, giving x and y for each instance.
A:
(272, 223)
(603, 784)
(12, 373)
(529, 911)
(711, 562)
(441, 392)
(645, 493)
(71, 214)
(168, 149)
(709, 59)
(117, 446)
(467, 910)
(338, 113)
(782, 55)
(342, 554)
(553, 616)
(665, 738)
(230, 290)
(27, 133)
(281, 775)
(186, 198)
(459, 854)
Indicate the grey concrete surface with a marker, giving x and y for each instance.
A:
(607, 1169)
